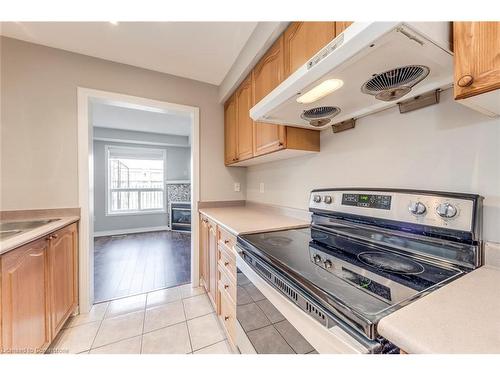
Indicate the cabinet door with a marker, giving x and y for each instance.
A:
(302, 40)
(63, 275)
(267, 75)
(24, 305)
(340, 26)
(212, 250)
(244, 123)
(477, 58)
(204, 255)
(230, 137)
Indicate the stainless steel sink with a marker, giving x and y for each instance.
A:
(4, 234)
(13, 228)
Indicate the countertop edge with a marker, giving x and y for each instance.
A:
(37, 233)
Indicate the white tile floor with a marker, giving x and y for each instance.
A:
(178, 320)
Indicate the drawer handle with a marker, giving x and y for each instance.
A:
(226, 286)
(226, 264)
(226, 318)
(226, 241)
(465, 81)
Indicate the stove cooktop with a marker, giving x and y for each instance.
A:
(367, 280)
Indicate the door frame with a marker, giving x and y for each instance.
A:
(86, 180)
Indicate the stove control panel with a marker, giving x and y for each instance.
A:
(427, 208)
(382, 202)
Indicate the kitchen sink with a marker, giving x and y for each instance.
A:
(13, 228)
(4, 234)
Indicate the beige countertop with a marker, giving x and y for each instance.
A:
(252, 219)
(461, 317)
(33, 234)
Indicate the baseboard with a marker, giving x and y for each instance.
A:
(130, 231)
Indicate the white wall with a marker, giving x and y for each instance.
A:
(38, 148)
(445, 147)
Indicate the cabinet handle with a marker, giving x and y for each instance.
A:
(52, 237)
(226, 286)
(226, 242)
(226, 264)
(226, 318)
(281, 144)
(465, 80)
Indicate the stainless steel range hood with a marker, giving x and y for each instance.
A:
(416, 53)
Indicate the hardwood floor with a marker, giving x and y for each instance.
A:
(139, 263)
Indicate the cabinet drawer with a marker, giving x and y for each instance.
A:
(225, 237)
(227, 260)
(228, 316)
(227, 284)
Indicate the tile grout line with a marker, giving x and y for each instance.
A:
(187, 325)
(100, 325)
(143, 323)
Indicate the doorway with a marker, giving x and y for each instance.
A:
(130, 216)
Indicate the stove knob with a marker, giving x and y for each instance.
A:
(317, 258)
(446, 210)
(327, 199)
(417, 208)
(327, 263)
(317, 198)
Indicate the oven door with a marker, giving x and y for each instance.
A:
(267, 322)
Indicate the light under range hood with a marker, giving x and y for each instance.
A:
(416, 55)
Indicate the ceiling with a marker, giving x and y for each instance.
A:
(121, 117)
(204, 51)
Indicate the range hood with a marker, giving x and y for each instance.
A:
(370, 66)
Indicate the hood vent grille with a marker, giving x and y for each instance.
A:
(395, 83)
(320, 116)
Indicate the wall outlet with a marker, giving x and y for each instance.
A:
(261, 187)
(237, 186)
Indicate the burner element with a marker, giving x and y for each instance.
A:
(391, 263)
(278, 241)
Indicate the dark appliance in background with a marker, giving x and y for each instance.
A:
(180, 216)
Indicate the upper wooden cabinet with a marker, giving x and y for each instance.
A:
(477, 58)
(63, 275)
(267, 74)
(340, 26)
(302, 40)
(245, 140)
(25, 323)
(230, 135)
(244, 123)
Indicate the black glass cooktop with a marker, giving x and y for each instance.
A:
(367, 278)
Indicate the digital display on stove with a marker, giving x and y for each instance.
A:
(367, 284)
(382, 202)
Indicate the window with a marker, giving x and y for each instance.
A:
(135, 180)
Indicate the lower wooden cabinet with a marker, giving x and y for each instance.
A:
(204, 256)
(25, 301)
(38, 291)
(218, 258)
(63, 272)
(212, 259)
